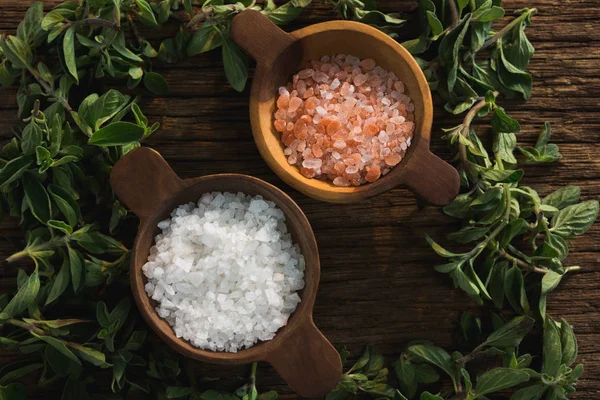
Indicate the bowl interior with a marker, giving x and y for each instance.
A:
(312, 43)
(297, 224)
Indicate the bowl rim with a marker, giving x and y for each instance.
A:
(262, 350)
(324, 190)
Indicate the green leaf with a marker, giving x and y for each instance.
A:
(13, 391)
(575, 219)
(60, 225)
(175, 392)
(155, 83)
(568, 343)
(58, 345)
(18, 373)
(66, 204)
(69, 52)
(36, 197)
(490, 14)
(14, 169)
(552, 355)
(116, 134)
(504, 146)
(104, 108)
(450, 47)
(76, 265)
(499, 379)
(534, 392)
(510, 76)
(285, 13)
(460, 207)
(406, 376)
(439, 249)
(514, 289)
(511, 334)
(550, 281)
(32, 138)
(121, 47)
(136, 340)
(468, 234)
(206, 38)
(515, 228)
(146, 14)
(429, 396)
(236, 65)
(503, 123)
(16, 51)
(496, 175)
(436, 356)
(61, 282)
(425, 373)
(436, 28)
(93, 356)
(563, 197)
(518, 50)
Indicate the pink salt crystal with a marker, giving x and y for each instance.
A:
(399, 86)
(321, 77)
(367, 64)
(373, 173)
(279, 125)
(339, 181)
(352, 125)
(392, 159)
(308, 172)
(317, 151)
(306, 73)
(283, 101)
(359, 79)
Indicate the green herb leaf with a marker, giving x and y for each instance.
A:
(155, 83)
(236, 65)
(77, 271)
(37, 197)
(503, 123)
(147, 15)
(61, 282)
(206, 38)
(25, 296)
(436, 356)
(69, 52)
(511, 334)
(499, 379)
(14, 169)
(563, 197)
(552, 348)
(568, 343)
(575, 219)
(117, 133)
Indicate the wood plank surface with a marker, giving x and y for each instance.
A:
(377, 283)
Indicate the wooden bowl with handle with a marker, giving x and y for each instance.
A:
(279, 55)
(299, 352)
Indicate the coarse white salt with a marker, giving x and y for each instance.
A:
(225, 272)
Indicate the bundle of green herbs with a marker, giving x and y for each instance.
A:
(54, 177)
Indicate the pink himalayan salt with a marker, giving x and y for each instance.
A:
(345, 120)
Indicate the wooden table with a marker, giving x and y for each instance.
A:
(377, 283)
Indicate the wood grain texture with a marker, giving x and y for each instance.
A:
(377, 282)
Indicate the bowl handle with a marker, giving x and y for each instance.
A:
(431, 178)
(143, 180)
(306, 360)
(259, 36)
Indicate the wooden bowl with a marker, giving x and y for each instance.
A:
(279, 55)
(299, 352)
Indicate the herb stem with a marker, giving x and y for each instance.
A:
(466, 125)
(24, 325)
(201, 16)
(134, 29)
(522, 264)
(27, 252)
(49, 89)
(454, 18)
(501, 33)
(253, 368)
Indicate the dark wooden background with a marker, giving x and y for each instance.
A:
(377, 283)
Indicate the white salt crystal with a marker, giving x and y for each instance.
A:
(224, 274)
